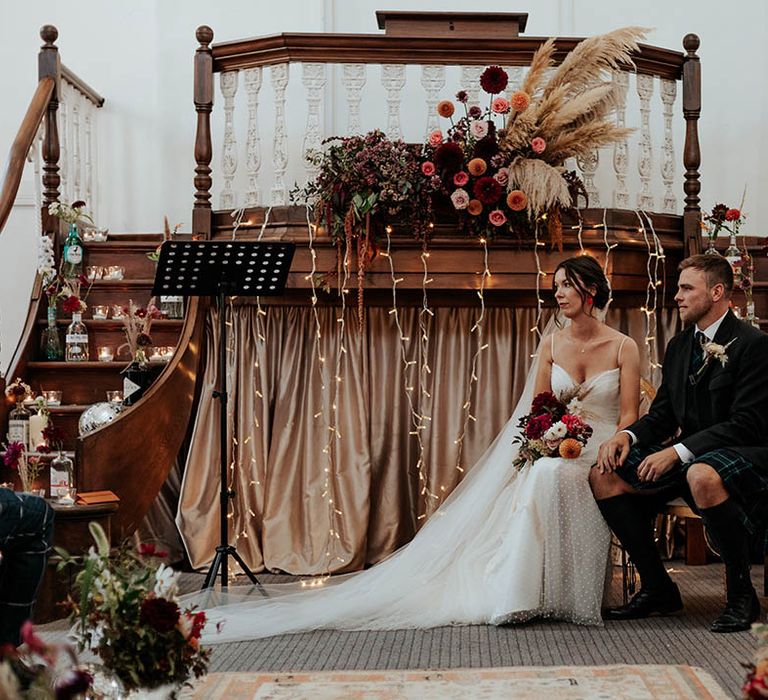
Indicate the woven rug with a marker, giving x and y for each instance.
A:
(563, 682)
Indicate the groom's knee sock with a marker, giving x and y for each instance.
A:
(630, 519)
(725, 524)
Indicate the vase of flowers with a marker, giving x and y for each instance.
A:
(50, 339)
(73, 252)
(127, 614)
(28, 468)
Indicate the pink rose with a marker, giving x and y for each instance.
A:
(428, 168)
(497, 217)
(435, 138)
(538, 145)
(479, 129)
(502, 177)
(500, 105)
(460, 179)
(460, 199)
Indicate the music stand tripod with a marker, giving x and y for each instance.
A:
(220, 269)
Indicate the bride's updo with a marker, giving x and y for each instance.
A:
(583, 272)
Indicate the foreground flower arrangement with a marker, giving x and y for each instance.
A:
(128, 615)
(756, 684)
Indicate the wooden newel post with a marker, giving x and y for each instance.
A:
(201, 214)
(692, 151)
(49, 65)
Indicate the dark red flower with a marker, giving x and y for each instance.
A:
(475, 112)
(537, 426)
(83, 280)
(544, 401)
(13, 454)
(486, 148)
(718, 213)
(53, 435)
(487, 190)
(79, 204)
(449, 157)
(732, 215)
(494, 80)
(143, 340)
(198, 622)
(462, 96)
(71, 304)
(160, 613)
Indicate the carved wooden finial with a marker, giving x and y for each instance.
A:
(691, 43)
(49, 34)
(204, 35)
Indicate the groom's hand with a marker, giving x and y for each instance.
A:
(658, 463)
(613, 452)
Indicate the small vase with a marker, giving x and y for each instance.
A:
(62, 475)
(711, 250)
(50, 340)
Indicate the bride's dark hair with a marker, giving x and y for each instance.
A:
(583, 272)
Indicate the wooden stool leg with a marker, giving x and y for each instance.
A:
(695, 544)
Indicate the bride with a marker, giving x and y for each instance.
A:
(506, 546)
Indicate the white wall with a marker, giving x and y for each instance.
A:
(138, 54)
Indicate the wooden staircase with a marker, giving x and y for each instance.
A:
(133, 454)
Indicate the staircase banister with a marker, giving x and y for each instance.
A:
(378, 48)
(21, 144)
(81, 86)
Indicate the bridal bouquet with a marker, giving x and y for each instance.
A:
(551, 429)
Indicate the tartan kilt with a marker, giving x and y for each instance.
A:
(743, 480)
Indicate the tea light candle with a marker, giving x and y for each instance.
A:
(117, 311)
(167, 352)
(94, 272)
(106, 354)
(101, 311)
(155, 355)
(115, 272)
(115, 396)
(52, 397)
(68, 498)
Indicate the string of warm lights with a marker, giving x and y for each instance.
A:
(655, 256)
(537, 243)
(417, 418)
(478, 328)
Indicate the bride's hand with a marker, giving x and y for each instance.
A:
(613, 452)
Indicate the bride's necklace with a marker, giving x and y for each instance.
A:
(582, 348)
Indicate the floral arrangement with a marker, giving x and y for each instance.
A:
(168, 235)
(28, 468)
(552, 428)
(70, 213)
(128, 615)
(137, 322)
(491, 175)
(756, 684)
(30, 671)
(73, 301)
(18, 392)
(722, 217)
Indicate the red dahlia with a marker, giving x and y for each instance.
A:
(449, 157)
(160, 613)
(494, 80)
(487, 190)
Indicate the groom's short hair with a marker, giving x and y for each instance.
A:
(716, 269)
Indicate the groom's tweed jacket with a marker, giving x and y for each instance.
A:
(723, 407)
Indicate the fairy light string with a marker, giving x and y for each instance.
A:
(481, 346)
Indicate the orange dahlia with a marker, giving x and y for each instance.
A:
(445, 108)
(570, 448)
(517, 200)
(477, 167)
(474, 207)
(519, 101)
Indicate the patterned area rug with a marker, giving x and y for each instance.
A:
(522, 683)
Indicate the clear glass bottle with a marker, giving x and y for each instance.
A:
(172, 306)
(50, 340)
(62, 475)
(77, 340)
(18, 425)
(733, 255)
(73, 254)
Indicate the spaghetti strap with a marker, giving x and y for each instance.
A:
(618, 355)
(552, 353)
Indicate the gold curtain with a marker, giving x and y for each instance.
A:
(282, 419)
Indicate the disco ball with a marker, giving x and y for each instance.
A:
(97, 415)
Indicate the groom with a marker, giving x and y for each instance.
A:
(706, 437)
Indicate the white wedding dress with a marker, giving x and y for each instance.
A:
(506, 546)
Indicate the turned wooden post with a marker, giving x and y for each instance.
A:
(49, 65)
(201, 214)
(692, 151)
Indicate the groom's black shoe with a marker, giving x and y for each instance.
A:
(647, 603)
(739, 614)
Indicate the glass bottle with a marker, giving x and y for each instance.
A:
(172, 306)
(18, 425)
(72, 257)
(77, 340)
(62, 475)
(135, 382)
(733, 255)
(50, 340)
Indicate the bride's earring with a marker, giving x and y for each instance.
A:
(590, 300)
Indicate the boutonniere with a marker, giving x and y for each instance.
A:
(714, 351)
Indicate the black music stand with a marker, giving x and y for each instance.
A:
(220, 269)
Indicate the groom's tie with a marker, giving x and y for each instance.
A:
(697, 357)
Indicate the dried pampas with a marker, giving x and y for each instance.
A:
(542, 183)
